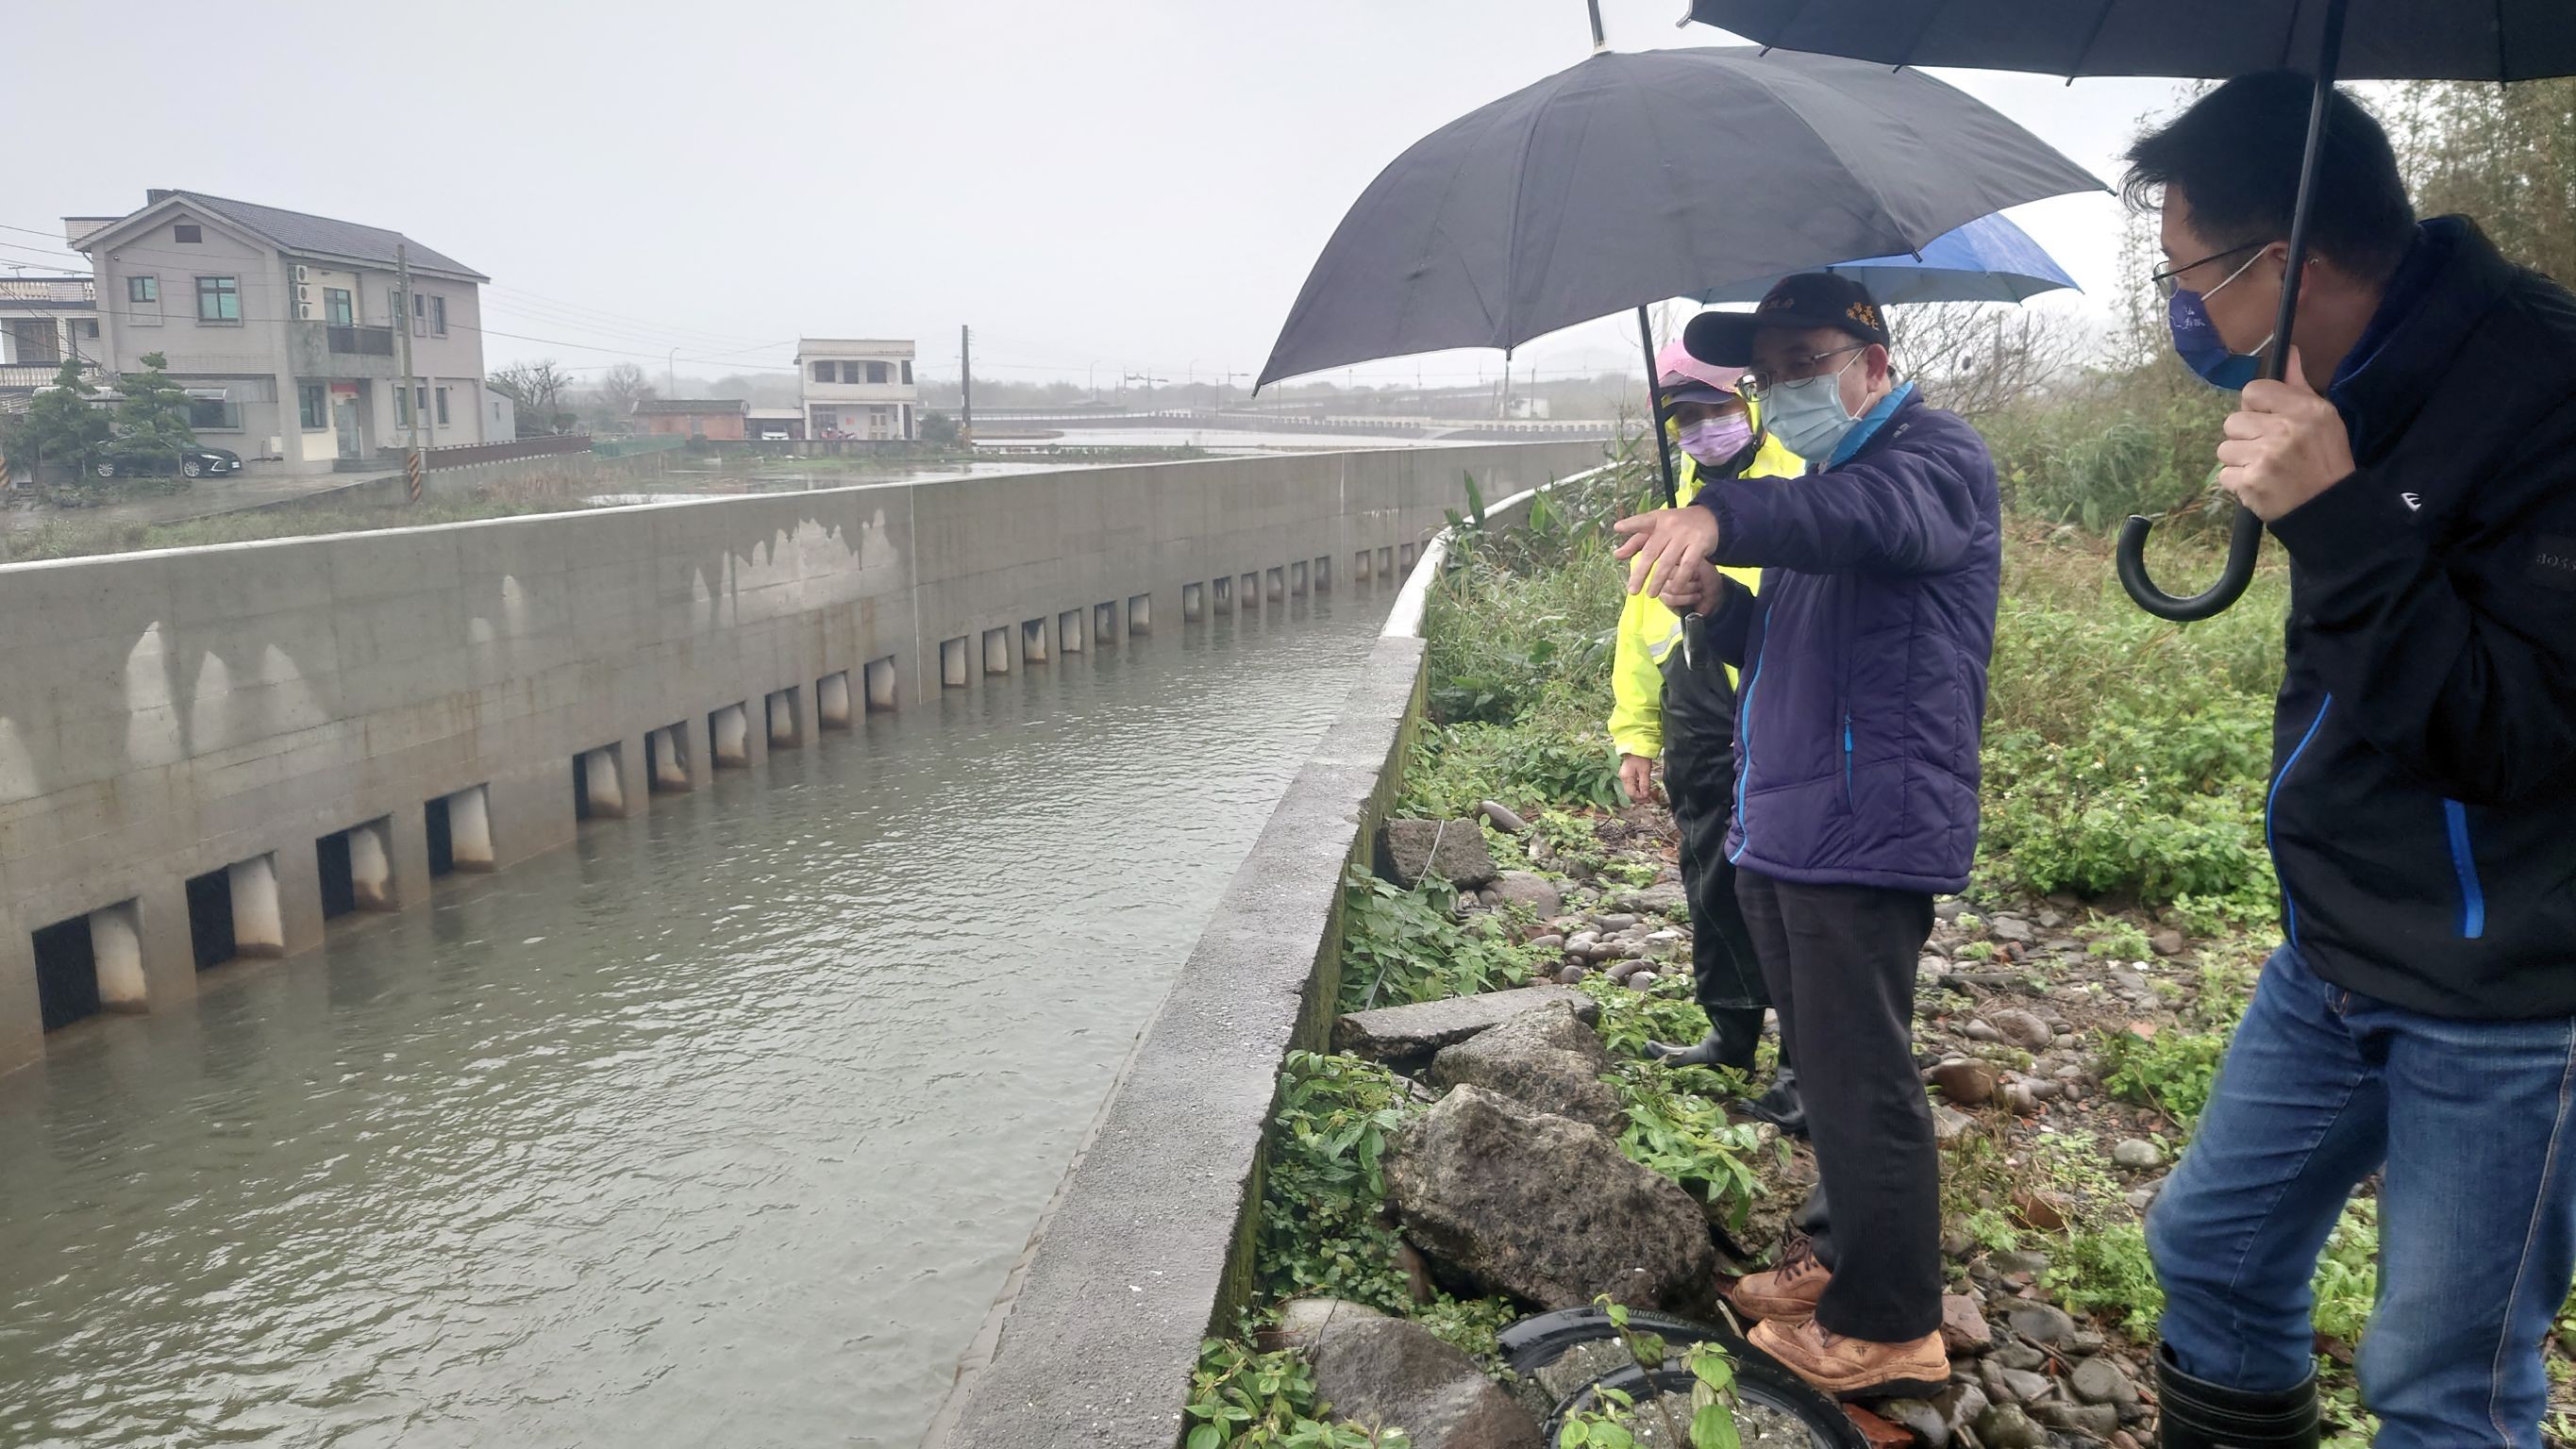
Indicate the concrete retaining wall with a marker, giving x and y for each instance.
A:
(1147, 1247)
(214, 713)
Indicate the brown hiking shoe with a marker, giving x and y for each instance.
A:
(1855, 1368)
(1789, 1291)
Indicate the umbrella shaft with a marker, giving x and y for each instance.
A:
(1655, 407)
(2329, 52)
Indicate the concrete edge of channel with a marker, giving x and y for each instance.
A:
(1146, 1246)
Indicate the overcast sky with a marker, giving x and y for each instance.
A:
(1127, 185)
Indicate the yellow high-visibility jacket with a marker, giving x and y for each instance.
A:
(1648, 631)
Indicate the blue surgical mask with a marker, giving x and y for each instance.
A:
(2197, 343)
(1808, 416)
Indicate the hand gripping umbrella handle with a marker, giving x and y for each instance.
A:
(2245, 534)
(2244, 541)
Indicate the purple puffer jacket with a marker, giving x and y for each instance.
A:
(1864, 655)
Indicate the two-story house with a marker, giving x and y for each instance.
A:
(286, 328)
(857, 388)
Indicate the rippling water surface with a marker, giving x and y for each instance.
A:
(719, 1128)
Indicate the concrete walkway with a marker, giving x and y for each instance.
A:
(201, 499)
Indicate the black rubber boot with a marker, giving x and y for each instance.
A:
(2201, 1415)
(1779, 1106)
(1733, 1033)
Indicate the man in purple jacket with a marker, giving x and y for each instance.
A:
(1864, 661)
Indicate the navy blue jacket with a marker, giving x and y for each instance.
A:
(2423, 805)
(1864, 655)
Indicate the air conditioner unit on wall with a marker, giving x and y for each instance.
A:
(303, 311)
(299, 271)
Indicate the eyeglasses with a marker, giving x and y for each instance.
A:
(1799, 368)
(2169, 281)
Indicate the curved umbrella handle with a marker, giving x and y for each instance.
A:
(2244, 541)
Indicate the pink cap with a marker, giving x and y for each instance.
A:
(1678, 371)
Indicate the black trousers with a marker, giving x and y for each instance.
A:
(1840, 961)
(1699, 778)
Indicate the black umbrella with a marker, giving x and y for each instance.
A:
(1633, 178)
(2497, 40)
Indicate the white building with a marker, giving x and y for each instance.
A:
(857, 388)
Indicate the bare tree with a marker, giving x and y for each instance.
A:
(623, 386)
(1979, 358)
(537, 390)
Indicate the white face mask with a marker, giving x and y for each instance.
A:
(1808, 416)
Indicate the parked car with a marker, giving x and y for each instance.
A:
(198, 462)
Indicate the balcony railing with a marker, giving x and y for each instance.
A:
(364, 341)
(16, 375)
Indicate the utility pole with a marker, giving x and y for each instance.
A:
(670, 374)
(411, 384)
(966, 384)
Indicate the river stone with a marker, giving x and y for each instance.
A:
(1963, 1325)
(1544, 1060)
(2138, 1155)
(1462, 860)
(1502, 817)
(2099, 1381)
(2025, 1385)
(2044, 1324)
(2099, 1420)
(1949, 1123)
(1641, 980)
(1304, 1322)
(2011, 928)
(2005, 1426)
(1544, 1208)
(1549, 941)
(1571, 972)
(2166, 943)
(1527, 888)
(2020, 1356)
(1407, 1036)
(1969, 1084)
(2023, 1029)
(1389, 1373)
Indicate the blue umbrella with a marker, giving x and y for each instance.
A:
(1988, 260)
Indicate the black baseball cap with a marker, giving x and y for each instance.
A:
(1807, 299)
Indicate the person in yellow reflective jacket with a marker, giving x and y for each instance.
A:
(1676, 703)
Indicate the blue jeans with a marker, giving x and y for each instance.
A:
(2477, 1208)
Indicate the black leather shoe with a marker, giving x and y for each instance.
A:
(1779, 1106)
(2201, 1415)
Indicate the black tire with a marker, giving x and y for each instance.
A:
(105, 469)
(193, 469)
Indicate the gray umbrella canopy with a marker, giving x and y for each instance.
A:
(2497, 40)
(1632, 178)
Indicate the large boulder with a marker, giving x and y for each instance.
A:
(1544, 1059)
(1392, 1374)
(1453, 850)
(1545, 1209)
(1406, 1036)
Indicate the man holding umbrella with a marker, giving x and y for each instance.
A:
(1856, 782)
(1674, 699)
(2418, 461)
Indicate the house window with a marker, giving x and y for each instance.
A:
(338, 307)
(313, 406)
(822, 372)
(442, 407)
(187, 231)
(214, 415)
(88, 329)
(143, 289)
(438, 320)
(876, 372)
(218, 299)
(419, 318)
(907, 374)
(402, 407)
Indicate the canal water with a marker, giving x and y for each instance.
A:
(721, 1127)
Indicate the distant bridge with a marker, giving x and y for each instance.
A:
(1346, 425)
